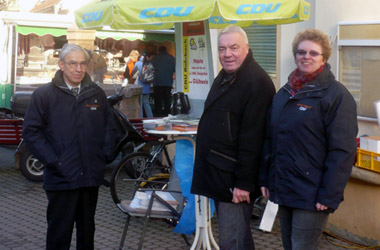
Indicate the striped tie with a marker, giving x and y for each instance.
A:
(75, 91)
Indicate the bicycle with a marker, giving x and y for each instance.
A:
(146, 166)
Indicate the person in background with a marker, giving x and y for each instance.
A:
(311, 144)
(130, 64)
(230, 139)
(69, 127)
(146, 86)
(99, 65)
(164, 66)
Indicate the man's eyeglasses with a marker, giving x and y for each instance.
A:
(74, 65)
(312, 53)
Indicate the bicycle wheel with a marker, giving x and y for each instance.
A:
(120, 189)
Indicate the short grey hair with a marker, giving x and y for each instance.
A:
(233, 29)
(70, 47)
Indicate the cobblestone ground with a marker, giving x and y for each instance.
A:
(23, 225)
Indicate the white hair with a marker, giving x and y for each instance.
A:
(234, 29)
(69, 47)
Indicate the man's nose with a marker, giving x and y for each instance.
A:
(228, 52)
(79, 67)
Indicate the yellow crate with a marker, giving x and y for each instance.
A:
(368, 160)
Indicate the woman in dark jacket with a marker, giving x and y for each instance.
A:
(311, 144)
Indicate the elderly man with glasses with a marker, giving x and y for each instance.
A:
(69, 128)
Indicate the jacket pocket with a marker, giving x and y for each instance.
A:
(308, 171)
(222, 177)
(222, 161)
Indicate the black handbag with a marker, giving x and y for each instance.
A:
(181, 104)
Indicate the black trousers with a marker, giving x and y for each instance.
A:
(66, 207)
(162, 94)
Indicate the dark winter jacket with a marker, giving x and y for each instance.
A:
(231, 132)
(311, 144)
(71, 137)
(164, 68)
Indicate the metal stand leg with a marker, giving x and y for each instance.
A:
(203, 234)
(124, 232)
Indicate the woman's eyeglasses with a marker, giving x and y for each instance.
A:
(312, 53)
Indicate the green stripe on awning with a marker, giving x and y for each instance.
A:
(159, 37)
(117, 35)
(40, 31)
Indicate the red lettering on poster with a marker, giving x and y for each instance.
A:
(193, 28)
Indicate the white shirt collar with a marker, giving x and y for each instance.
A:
(70, 87)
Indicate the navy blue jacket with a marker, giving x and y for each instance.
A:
(311, 145)
(164, 68)
(231, 132)
(71, 137)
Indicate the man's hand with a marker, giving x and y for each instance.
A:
(264, 192)
(240, 195)
(320, 207)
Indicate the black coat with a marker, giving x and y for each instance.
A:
(71, 137)
(231, 132)
(311, 145)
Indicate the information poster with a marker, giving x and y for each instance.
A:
(196, 82)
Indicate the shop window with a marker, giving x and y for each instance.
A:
(359, 64)
(37, 61)
(263, 41)
(359, 69)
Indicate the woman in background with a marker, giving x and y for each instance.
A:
(130, 62)
(145, 95)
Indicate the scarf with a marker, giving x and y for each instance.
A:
(298, 81)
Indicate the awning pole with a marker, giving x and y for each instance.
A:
(14, 54)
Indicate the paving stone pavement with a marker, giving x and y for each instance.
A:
(23, 224)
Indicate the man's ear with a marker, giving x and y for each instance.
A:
(60, 65)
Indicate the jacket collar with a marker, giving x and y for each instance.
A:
(319, 83)
(224, 81)
(60, 82)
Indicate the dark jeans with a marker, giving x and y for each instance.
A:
(66, 207)
(301, 229)
(162, 95)
(234, 223)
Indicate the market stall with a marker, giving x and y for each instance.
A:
(31, 42)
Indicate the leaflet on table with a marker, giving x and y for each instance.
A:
(167, 124)
(141, 200)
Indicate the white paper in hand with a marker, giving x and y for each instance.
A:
(269, 216)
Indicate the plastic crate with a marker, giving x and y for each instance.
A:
(368, 160)
(10, 131)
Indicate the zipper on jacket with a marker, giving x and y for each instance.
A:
(223, 155)
(229, 126)
(301, 92)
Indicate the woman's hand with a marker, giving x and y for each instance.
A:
(320, 207)
(264, 192)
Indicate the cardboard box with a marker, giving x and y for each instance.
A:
(371, 143)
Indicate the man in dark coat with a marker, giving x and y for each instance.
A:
(230, 138)
(70, 129)
(164, 68)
